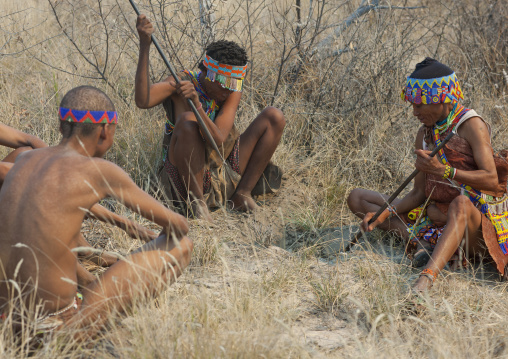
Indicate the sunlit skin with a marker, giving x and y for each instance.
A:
(187, 149)
(430, 114)
(463, 220)
(62, 184)
(20, 142)
(23, 142)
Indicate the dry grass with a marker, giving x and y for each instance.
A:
(243, 297)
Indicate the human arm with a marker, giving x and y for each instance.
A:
(13, 138)
(132, 228)
(148, 95)
(476, 133)
(413, 199)
(117, 184)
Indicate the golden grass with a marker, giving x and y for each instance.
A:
(243, 297)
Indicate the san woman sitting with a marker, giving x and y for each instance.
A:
(461, 192)
(192, 171)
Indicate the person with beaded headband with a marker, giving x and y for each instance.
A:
(22, 142)
(191, 170)
(44, 200)
(459, 196)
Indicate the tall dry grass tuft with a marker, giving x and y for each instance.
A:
(347, 127)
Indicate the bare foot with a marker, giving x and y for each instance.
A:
(422, 284)
(200, 210)
(243, 202)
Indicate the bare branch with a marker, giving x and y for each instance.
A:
(325, 45)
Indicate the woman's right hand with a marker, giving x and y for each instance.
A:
(145, 29)
(366, 227)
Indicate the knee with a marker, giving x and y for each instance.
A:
(275, 117)
(187, 246)
(186, 125)
(459, 207)
(353, 199)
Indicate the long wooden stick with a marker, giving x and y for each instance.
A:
(397, 192)
(189, 101)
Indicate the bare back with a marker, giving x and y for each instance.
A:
(42, 206)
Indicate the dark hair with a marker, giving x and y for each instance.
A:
(430, 68)
(84, 98)
(226, 52)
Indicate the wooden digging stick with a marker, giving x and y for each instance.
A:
(189, 101)
(396, 193)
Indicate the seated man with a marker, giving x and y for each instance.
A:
(22, 142)
(459, 185)
(45, 199)
(18, 140)
(189, 164)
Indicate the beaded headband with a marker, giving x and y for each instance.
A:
(229, 76)
(78, 116)
(444, 89)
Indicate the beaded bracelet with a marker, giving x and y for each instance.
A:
(447, 172)
(199, 107)
(429, 273)
(454, 173)
(392, 210)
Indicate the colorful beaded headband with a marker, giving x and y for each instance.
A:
(87, 116)
(229, 76)
(444, 89)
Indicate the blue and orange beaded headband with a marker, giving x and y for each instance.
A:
(229, 76)
(444, 89)
(78, 116)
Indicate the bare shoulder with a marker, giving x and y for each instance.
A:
(107, 169)
(475, 131)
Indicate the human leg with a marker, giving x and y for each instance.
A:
(84, 277)
(257, 145)
(361, 201)
(143, 273)
(187, 154)
(463, 221)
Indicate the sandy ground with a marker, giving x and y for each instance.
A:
(246, 251)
